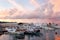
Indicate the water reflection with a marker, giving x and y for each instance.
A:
(5, 37)
(47, 35)
(27, 37)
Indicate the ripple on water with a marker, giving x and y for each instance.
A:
(46, 35)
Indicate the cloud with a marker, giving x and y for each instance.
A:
(34, 3)
(19, 9)
(1, 8)
(4, 13)
(18, 6)
(57, 15)
(56, 4)
(50, 10)
(40, 12)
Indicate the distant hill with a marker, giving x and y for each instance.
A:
(7, 22)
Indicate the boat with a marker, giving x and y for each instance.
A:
(33, 32)
(10, 29)
(15, 34)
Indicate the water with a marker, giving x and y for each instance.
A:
(47, 35)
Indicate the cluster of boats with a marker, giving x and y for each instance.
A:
(35, 31)
(21, 34)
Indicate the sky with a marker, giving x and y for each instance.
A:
(30, 9)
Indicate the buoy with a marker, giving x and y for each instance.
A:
(55, 32)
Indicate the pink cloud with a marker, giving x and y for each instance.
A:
(56, 3)
(49, 11)
(18, 6)
(35, 3)
(4, 13)
(40, 12)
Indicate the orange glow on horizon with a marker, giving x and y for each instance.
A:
(30, 20)
(57, 37)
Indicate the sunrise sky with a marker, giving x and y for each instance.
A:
(29, 9)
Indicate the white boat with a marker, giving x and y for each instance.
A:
(10, 29)
(30, 30)
(53, 27)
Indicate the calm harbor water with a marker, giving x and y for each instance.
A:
(47, 35)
